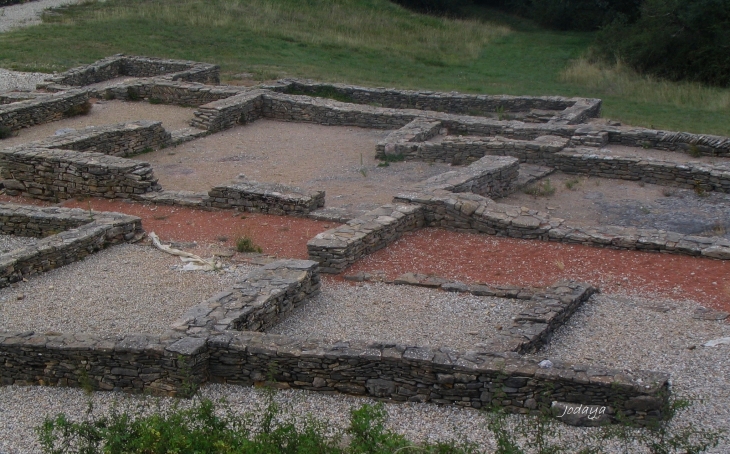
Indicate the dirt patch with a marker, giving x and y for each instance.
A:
(106, 113)
(337, 159)
(476, 258)
(592, 201)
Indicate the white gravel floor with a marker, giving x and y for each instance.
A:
(27, 14)
(11, 242)
(123, 289)
(401, 313)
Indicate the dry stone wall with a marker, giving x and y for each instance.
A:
(569, 110)
(476, 214)
(123, 139)
(257, 302)
(338, 248)
(270, 198)
(226, 113)
(120, 65)
(44, 109)
(491, 176)
(692, 175)
(69, 236)
(54, 175)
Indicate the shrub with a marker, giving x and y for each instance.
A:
(674, 39)
(542, 189)
(79, 109)
(5, 132)
(246, 244)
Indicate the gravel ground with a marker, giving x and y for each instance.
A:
(123, 289)
(405, 314)
(27, 14)
(337, 159)
(107, 113)
(11, 242)
(16, 80)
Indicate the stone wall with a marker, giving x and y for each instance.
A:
(338, 248)
(47, 174)
(123, 139)
(476, 214)
(227, 113)
(691, 175)
(41, 110)
(69, 236)
(204, 347)
(491, 176)
(684, 142)
(270, 198)
(168, 91)
(120, 65)
(257, 302)
(569, 110)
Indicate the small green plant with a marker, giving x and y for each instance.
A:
(156, 101)
(246, 244)
(132, 94)
(85, 382)
(542, 189)
(5, 132)
(572, 183)
(108, 95)
(363, 170)
(321, 92)
(699, 190)
(694, 151)
(79, 109)
(645, 145)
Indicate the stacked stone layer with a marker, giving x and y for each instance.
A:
(467, 212)
(270, 198)
(42, 109)
(54, 175)
(69, 236)
(122, 139)
(338, 248)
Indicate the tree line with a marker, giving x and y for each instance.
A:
(672, 39)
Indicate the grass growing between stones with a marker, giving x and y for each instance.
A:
(369, 42)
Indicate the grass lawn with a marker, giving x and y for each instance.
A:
(369, 42)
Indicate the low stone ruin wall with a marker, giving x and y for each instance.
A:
(571, 110)
(120, 65)
(491, 176)
(41, 110)
(684, 142)
(338, 248)
(69, 236)
(54, 175)
(168, 92)
(257, 302)
(691, 175)
(123, 139)
(270, 198)
(227, 113)
(476, 214)
(204, 347)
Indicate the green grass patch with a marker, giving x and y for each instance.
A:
(246, 244)
(368, 42)
(322, 92)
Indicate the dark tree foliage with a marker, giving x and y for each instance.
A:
(674, 39)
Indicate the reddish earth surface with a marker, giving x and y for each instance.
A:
(476, 258)
(281, 236)
(465, 257)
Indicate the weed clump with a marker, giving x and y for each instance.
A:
(694, 151)
(155, 101)
(246, 244)
(80, 109)
(321, 92)
(5, 132)
(572, 183)
(542, 189)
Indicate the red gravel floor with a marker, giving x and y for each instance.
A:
(280, 236)
(473, 258)
(469, 258)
